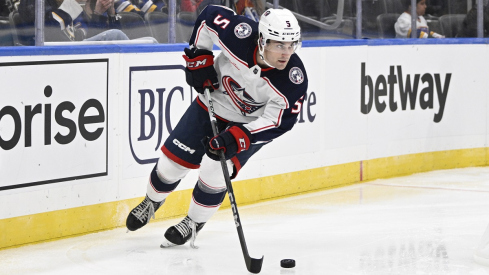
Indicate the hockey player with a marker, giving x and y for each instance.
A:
(258, 85)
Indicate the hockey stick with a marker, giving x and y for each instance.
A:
(253, 265)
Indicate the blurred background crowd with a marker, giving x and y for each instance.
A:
(171, 21)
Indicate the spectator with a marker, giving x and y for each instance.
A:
(247, 8)
(242, 7)
(469, 25)
(6, 7)
(403, 24)
(436, 8)
(199, 5)
(190, 5)
(67, 21)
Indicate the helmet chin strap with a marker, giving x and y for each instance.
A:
(261, 52)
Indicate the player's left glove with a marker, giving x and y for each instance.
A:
(233, 140)
(200, 72)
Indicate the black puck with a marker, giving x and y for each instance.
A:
(287, 263)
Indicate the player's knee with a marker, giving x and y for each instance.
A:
(210, 172)
(169, 171)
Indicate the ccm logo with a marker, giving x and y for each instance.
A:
(183, 146)
(197, 64)
(242, 143)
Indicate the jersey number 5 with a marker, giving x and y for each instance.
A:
(298, 106)
(221, 22)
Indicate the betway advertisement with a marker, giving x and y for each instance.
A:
(397, 100)
(407, 89)
(53, 121)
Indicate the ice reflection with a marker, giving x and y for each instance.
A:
(409, 255)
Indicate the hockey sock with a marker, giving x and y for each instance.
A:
(158, 189)
(206, 200)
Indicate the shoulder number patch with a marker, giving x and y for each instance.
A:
(296, 75)
(242, 30)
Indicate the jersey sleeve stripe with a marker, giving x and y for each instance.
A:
(223, 47)
(279, 121)
(198, 32)
(262, 129)
(277, 91)
(269, 126)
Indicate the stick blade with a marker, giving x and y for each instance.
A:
(254, 265)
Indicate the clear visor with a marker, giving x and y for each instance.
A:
(282, 47)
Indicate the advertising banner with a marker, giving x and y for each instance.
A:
(53, 121)
(363, 103)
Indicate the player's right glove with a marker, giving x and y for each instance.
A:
(200, 72)
(233, 140)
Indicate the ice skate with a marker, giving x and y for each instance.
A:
(142, 213)
(179, 234)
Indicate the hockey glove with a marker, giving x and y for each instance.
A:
(233, 140)
(200, 72)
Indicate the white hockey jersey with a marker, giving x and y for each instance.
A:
(268, 100)
(403, 26)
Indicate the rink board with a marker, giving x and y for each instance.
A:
(81, 128)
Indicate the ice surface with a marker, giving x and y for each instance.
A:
(427, 223)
